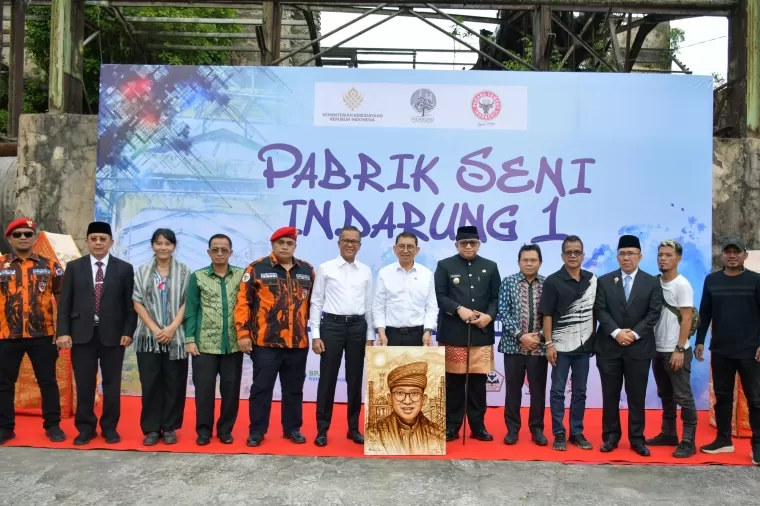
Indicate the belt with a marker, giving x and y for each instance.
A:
(407, 330)
(343, 318)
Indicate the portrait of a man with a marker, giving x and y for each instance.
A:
(397, 423)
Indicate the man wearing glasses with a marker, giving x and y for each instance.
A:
(211, 341)
(467, 288)
(343, 292)
(405, 309)
(28, 284)
(628, 306)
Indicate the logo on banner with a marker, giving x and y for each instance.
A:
(494, 381)
(313, 375)
(486, 105)
(353, 99)
(423, 101)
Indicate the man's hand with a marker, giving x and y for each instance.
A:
(676, 360)
(126, 341)
(757, 355)
(246, 345)
(166, 334)
(699, 352)
(427, 339)
(551, 355)
(625, 337)
(63, 342)
(370, 343)
(318, 346)
(382, 339)
(482, 320)
(530, 341)
(192, 349)
(466, 314)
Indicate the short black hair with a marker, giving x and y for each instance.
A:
(569, 239)
(407, 235)
(530, 247)
(219, 236)
(349, 228)
(166, 233)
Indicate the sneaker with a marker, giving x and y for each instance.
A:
(151, 439)
(685, 450)
(719, 446)
(581, 442)
(170, 437)
(55, 434)
(560, 443)
(663, 440)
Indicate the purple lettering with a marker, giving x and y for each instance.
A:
(365, 177)
(510, 171)
(293, 222)
(476, 220)
(555, 176)
(399, 184)
(552, 235)
(412, 213)
(333, 168)
(308, 173)
(270, 173)
(385, 223)
(581, 188)
(449, 231)
(353, 214)
(420, 174)
(321, 216)
(492, 226)
(467, 161)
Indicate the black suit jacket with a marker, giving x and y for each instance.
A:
(640, 314)
(76, 305)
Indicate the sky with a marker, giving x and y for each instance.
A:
(704, 52)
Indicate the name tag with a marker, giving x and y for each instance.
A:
(269, 275)
(303, 276)
(8, 272)
(40, 271)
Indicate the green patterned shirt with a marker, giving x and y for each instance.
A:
(209, 310)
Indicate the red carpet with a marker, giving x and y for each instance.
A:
(29, 433)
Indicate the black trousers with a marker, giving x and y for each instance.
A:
(339, 337)
(476, 401)
(229, 368)
(409, 336)
(43, 355)
(674, 389)
(85, 358)
(516, 367)
(612, 372)
(724, 379)
(290, 364)
(164, 389)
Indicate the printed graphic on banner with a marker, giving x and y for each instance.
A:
(524, 157)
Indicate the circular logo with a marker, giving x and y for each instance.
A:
(423, 101)
(486, 105)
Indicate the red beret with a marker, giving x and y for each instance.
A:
(20, 223)
(284, 232)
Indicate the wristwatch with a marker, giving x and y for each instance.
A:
(680, 349)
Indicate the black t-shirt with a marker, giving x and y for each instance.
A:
(570, 303)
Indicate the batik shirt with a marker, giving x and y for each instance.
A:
(518, 310)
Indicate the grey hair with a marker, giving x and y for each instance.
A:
(670, 243)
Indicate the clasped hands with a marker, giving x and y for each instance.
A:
(625, 337)
(476, 318)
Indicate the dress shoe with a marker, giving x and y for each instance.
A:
(112, 437)
(452, 435)
(170, 437)
(607, 447)
(537, 435)
(321, 439)
(255, 439)
(481, 435)
(560, 443)
(83, 439)
(511, 438)
(581, 442)
(55, 434)
(151, 439)
(203, 440)
(355, 436)
(663, 440)
(641, 450)
(685, 450)
(226, 439)
(295, 437)
(6, 436)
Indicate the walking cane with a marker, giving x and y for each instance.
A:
(466, 381)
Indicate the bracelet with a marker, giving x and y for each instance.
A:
(549, 344)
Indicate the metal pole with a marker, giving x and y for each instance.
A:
(341, 27)
(370, 27)
(584, 43)
(485, 39)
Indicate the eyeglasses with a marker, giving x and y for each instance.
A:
(216, 251)
(400, 396)
(17, 235)
(350, 242)
(628, 254)
(406, 247)
(469, 244)
(573, 253)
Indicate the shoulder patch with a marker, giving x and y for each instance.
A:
(246, 277)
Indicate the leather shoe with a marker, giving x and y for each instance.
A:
(6, 436)
(355, 436)
(538, 437)
(255, 439)
(151, 439)
(112, 437)
(481, 435)
(83, 439)
(295, 437)
(203, 440)
(452, 435)
(55, 434)
(607, 447)
(226, 439)
(641, 450)
(170, 437)
(321, 439)
(511, 438)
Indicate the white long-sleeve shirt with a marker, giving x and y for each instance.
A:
(344, 289)
(405, 298)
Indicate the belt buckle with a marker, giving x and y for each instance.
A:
(348, 318)
(404, 330)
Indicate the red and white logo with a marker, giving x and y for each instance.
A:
(486, 105)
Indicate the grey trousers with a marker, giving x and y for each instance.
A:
(674, 388)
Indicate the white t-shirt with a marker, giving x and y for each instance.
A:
(679, 294)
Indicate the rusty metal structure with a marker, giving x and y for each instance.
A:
(589, 35)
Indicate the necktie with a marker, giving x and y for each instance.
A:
(627, 287)
(98, 287)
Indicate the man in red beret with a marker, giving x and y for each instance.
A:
(271, 317)
(28, 285)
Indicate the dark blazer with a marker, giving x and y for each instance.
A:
(640, 314)
(472, 284)
(76, 305)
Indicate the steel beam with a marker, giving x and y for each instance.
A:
(210, 21)
(16, 66)
(752, 10)
(66, 56)
(542, 27)
(214, 35)
(272, 30)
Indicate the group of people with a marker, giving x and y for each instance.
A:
(629, 319)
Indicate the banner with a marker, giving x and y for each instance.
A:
(524, 156)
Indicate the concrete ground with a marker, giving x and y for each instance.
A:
(65, 477)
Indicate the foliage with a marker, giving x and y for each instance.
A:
(555, 62)
(114, 45)
(677, 36)
(35, 97)
(718, 79)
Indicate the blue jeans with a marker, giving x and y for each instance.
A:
(579, 364)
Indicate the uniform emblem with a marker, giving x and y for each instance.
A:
(304, 293)
(616, 280)
(484, 271)
(59, 271)
(6, 265)
(41, 286)
(456, 281)
(246, 277)
(29, 223)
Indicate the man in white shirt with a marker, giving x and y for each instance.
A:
(405, 308)
(343, 291)
(672, 365)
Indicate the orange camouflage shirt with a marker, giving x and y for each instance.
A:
(272, 306)
(27, 292)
